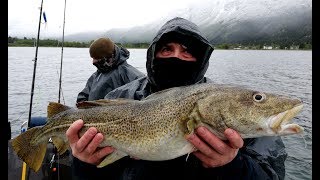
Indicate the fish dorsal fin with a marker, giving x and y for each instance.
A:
(55, 108)
(103, 102)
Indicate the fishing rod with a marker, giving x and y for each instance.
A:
(60, 82)
(64, 17)
(35, 66)
(24, 165)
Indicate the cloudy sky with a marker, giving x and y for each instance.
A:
(85, 15)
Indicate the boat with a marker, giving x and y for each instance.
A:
(54, 166)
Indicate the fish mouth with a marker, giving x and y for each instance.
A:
(280, 123)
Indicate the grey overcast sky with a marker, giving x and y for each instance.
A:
(85, 15)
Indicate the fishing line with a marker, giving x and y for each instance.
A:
(304, 139)
(60, 78)
(61, 89)
(37, 98)
(21, 115)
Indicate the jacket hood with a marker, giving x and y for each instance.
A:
(188, 33)
(121, 55)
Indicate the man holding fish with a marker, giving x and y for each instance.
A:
(174, 123)
(178, 56)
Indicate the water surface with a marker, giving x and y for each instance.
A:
(277, 71)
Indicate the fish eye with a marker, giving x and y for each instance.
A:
(259, 97)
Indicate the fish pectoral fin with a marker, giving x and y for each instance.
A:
(102, 102)
(191, 126)
(60, 144)
(194, 121)
(116, 155)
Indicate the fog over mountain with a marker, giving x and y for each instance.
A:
(228, 21)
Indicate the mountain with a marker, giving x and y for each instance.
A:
(229, 21)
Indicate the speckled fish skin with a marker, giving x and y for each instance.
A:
(155, 127)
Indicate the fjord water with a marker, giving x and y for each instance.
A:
(286, 72)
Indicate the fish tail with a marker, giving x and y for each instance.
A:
(31, 154)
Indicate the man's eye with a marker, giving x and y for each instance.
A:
(165, 49)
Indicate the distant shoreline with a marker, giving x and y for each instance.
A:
(214, 48)
(25, 42)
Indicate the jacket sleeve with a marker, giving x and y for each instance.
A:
(260, 158)
(84, 94)
(129, 73)
(267, 153)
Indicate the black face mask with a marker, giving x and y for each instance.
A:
(104, 64)
(173, 72)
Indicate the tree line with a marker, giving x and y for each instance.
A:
(31, 42)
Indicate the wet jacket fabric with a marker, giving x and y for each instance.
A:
(259, 158)
(120, 73)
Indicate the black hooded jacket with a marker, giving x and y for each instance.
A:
(120, 73)
(261, 158)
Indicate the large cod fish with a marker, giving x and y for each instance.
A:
(154, 128)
